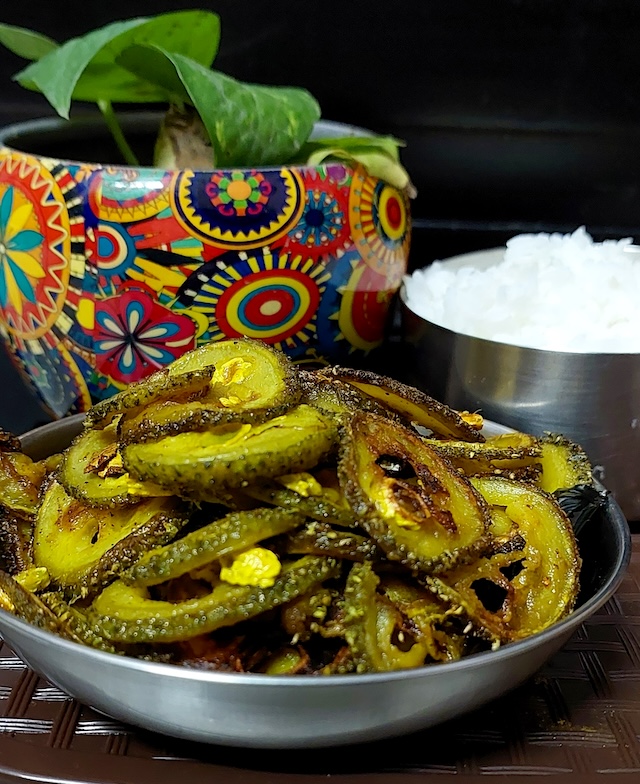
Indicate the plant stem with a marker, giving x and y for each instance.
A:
(116, 131)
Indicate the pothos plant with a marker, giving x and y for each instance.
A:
(212, 120)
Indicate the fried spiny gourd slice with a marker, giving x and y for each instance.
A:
(316, 494)
(125, 613)
(16, 548)
(316, 538)
(412, 404)
(495, 456)
(410, 500)
(230, 534)
(161, 385)
(250, 382)
(75, 623)
(201, 464)
(24, 604)
(516, 593)
(82, 547)
(92, 471)
(428, 618)
(20, 480)
(564, 464)
(168, 418)
(372, 627)
(339, 398)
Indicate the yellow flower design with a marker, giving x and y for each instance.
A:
(19, 267)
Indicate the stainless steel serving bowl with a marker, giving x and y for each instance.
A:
(593, 399)
(305, 711)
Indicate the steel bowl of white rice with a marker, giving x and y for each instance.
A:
(542, 336)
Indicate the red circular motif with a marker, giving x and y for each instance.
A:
(394, 213)
(272, 305)
(364, 309)
(266, 308)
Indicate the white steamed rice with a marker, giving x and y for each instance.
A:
(550, 291)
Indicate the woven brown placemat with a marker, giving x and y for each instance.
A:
(580, 717)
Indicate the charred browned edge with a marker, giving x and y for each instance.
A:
(373, 524)
(447, 416)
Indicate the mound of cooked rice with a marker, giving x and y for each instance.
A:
(550, 291)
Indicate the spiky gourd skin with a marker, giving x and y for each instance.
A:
(201, 465)
(126, 614)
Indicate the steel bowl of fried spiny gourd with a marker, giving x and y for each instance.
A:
(240, 551)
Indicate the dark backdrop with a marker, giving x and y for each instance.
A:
(518, 114)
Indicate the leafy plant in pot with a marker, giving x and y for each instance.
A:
(254, 218)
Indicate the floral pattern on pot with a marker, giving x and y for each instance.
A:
(323, 231)
(109, 273)
(241, 209)
(34, 246)
(135, 335)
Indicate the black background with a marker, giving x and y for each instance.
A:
(518, 114)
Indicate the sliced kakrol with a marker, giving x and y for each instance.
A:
(521, 590)
(125, 613)
(230, 534)
(75, 622)
(317, 495)
(16, 547)
(20, 480)
(339, 398)
(161, 385)
(250, 383)
(24, 604)
(433, 622)
(316, 538)
(415, 406)
(92, 471)
(564, 464)
(497, 456)
(374, 628)
(201, 464)
(417, 507)
(83, 548)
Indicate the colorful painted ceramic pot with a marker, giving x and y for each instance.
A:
(108, 273)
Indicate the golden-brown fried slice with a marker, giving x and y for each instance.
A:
(516, 593)
(410, 500)
(412, 404)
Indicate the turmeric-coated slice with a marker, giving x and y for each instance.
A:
(125, 613)
(82, 547)
(410, 500)
(516, 593)
(199, 465)
(411, 403)
(161, 385)
(92, 471)
(250, 382)
(230, 534)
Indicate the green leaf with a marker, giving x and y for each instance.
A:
(378, 154)
(249, 124)
(85, 68)
(26, 43)
(384, 144)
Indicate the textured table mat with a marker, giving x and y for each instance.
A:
(579, 717)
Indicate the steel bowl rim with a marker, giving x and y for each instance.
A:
(505, 653)
(606, 355)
